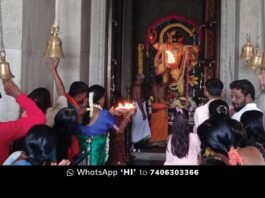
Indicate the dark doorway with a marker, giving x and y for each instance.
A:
(129, 21)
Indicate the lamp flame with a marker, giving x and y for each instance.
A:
(125, 106)
(171, 59)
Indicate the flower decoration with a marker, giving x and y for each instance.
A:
(180, 102)
(179, 110)
(234, 157)
(193, 80)
(107, 147)
(91, 105)
(195, 51)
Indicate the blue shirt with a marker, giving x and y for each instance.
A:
(22, 163)
(104, 122)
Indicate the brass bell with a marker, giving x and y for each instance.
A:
(54, 47)
(247, 51)
(256, 60)
(262, 65)
(5, 72)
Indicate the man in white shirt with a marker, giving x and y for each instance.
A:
(243, 97)
(213, 90)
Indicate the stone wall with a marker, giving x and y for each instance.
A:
(12, 29)
(26, 30)
(27, 26)
(238, 18)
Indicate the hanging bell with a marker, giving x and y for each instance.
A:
(256, 60)
(262, 65)
(54, 47)
(5, 72)
(247, 51)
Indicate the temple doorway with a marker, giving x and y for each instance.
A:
(178, 40)
(134, 22)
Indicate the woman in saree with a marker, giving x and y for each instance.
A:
(98, 123)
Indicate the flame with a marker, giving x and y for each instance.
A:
(125, 106)
(170, 57)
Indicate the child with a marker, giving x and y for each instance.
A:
(183, 146)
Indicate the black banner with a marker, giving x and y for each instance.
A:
(120, 172)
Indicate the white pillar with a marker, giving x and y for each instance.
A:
(98, 38)
(38, 19)
(27, 26)
(12, 30)
(239, 18)
(228, 37)
(70, 16)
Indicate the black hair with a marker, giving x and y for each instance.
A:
(217, 135)
(212, 162)
(245, 86)
(180, 134)
(99, 92)
(42, 97)
(66, 125)
(218, 108)
(239, 132)
(40, 144)
(214, 87)
(252, 121)
(78, 87)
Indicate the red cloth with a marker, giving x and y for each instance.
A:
(72, 102)
(117, 147)
(74, 149)
(12, 130)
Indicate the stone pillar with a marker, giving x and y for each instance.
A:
(98, 38)
(35, 36)
(12, 30)
(38, 16)
(251, 22)
(85, 36)
(27, 26)
(239, 18)
(229, 51)
(70, 19)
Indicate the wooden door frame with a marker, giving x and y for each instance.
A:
(109, 83)
(212, 27)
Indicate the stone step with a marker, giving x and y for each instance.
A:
(147, 159)
(149, 156)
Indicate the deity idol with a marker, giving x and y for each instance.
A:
(174, 57)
